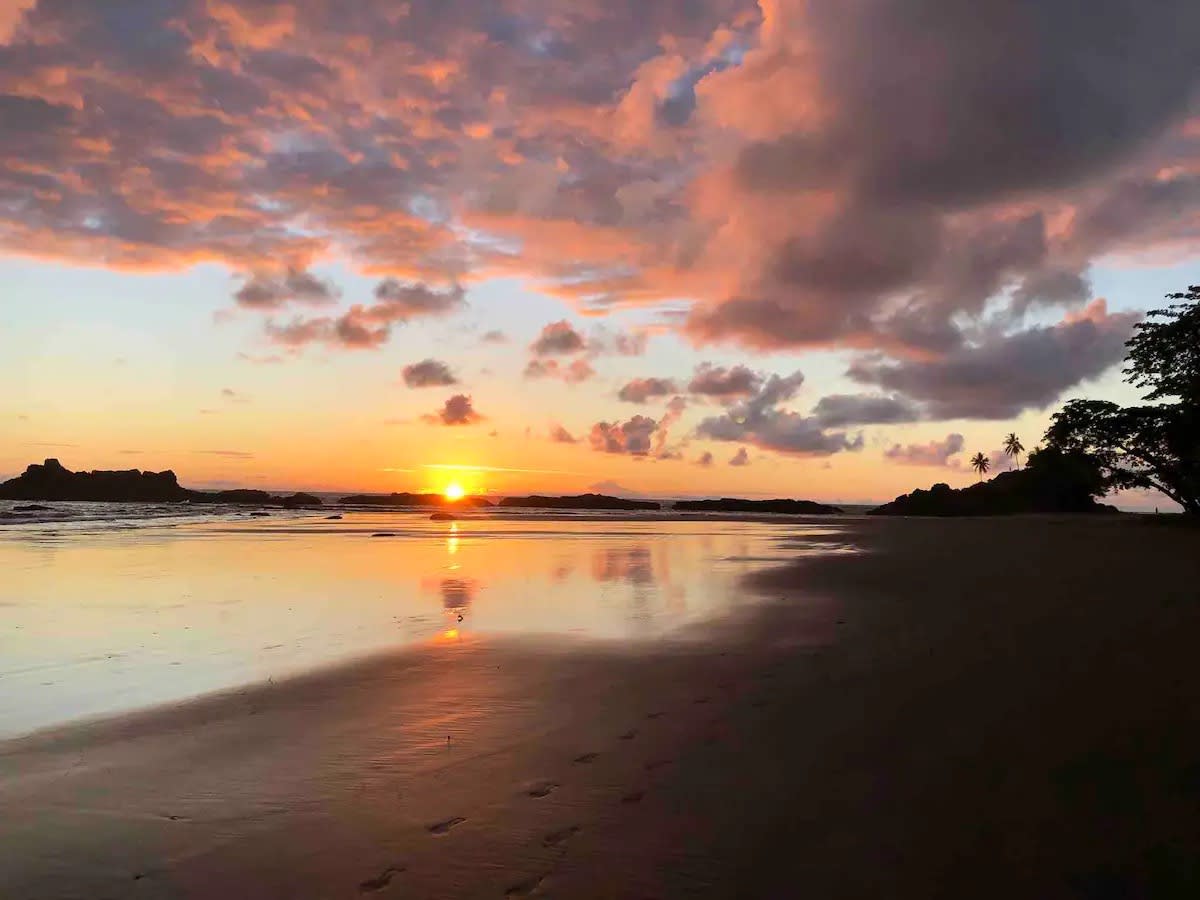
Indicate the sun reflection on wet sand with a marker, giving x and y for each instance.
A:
(93, 623)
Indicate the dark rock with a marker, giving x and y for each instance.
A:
(259, 514)
(51, 481)
(443, 517)
(31, 507)
(330, 518)
(737, 504)
(300, 499)
(1052, 482)
(577, 501)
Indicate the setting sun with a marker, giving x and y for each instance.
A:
(454, 491)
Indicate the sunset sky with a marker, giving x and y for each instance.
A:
(792, 248)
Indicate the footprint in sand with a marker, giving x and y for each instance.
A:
(541, 789)
(441, 828)
(380, 881)
(586, 757)
(633, 797)
(629, 735)
(526, 887)
(554, 838)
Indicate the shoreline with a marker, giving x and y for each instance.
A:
(964, 708)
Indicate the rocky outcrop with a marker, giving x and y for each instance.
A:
(577, 501)
(52, 481)
(737, 504)
(300, 499)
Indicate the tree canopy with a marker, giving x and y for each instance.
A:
(1158, 445)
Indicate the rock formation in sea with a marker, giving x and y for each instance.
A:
(53, 481)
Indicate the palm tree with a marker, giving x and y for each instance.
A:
(980, 464)
(1013, 447)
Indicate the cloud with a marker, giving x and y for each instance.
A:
(759, 420)
(639, 390)
(428, 373)
(229, 454)
(705, 459)
(839, 410)
(369, 327)
(560, 435)
(780, 175)
(618, 343)
(558, 339)
(576, 371)
(458, 410)
(935, 453)
(1002, 375)
(741, 458)
(724, 383)
(401, 301)
(272, 291)
(632, 437)
(493, 337)
(234, 396)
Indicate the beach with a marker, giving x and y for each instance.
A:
(858, 708)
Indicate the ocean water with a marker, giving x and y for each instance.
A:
(108, 609)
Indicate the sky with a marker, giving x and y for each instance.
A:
(668, 247)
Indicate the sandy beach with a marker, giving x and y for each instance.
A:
(968, 708)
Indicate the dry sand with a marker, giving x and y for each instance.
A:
(1005, 708)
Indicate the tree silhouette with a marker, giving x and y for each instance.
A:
(980, 464)
(1155, 446)
(1013, 447)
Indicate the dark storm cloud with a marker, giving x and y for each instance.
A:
(428, 373)
(937, 102)
(838, 410)
(1002, 376)
(761, 421)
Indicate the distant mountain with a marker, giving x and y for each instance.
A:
(577, 501)
(406, 499)
(737, 504)
(53, 481)
(1051, 482)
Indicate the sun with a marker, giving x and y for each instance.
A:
(454, 491)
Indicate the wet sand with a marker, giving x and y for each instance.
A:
(977, 708)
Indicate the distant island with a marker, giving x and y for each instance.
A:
(738, 504)
(53, 481)
(577, 501)
(407, 499)
(1051, 482)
